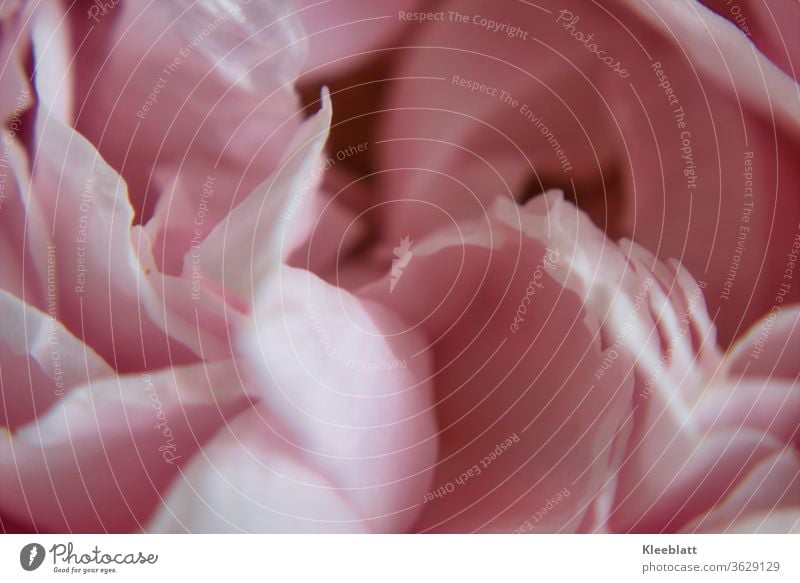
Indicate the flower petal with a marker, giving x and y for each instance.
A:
(769, 26)
(770, 347)
(653, 153)
(98, 460)
(15, 94)
(771, 488)
(172, 104)
(247, 479)
(40, 361)
(779, 522)
(79, 205)
(14, 254)
(255, 33)
(353, 402)
(261, 228)
(529, 407)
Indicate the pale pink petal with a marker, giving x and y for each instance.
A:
(697, 432)
(39, 362)
(773, 24)
(770, 25)
(478, 116)
(247, 479)
(249, 245)
(171, 112)
(655, 315)
(191, 309)
(16, 277)
(99, 459)
(770, 347)
(779, 522)
(692, 437)
(86, 212)
(669, 477)
(52, 44)
(15, 95)
(528, 411)
(107, 289)
(350, 399)
(768, 405)
(768, 490)
(16, 98)
(262, 45)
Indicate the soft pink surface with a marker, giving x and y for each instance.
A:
(485, 359)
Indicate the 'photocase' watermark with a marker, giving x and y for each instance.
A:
(101, 8)
(568, 21)
(547, 262)
(168, 448)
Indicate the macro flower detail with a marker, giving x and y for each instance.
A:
(399, 267)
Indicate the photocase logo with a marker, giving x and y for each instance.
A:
(402, 256)
(31, 556)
